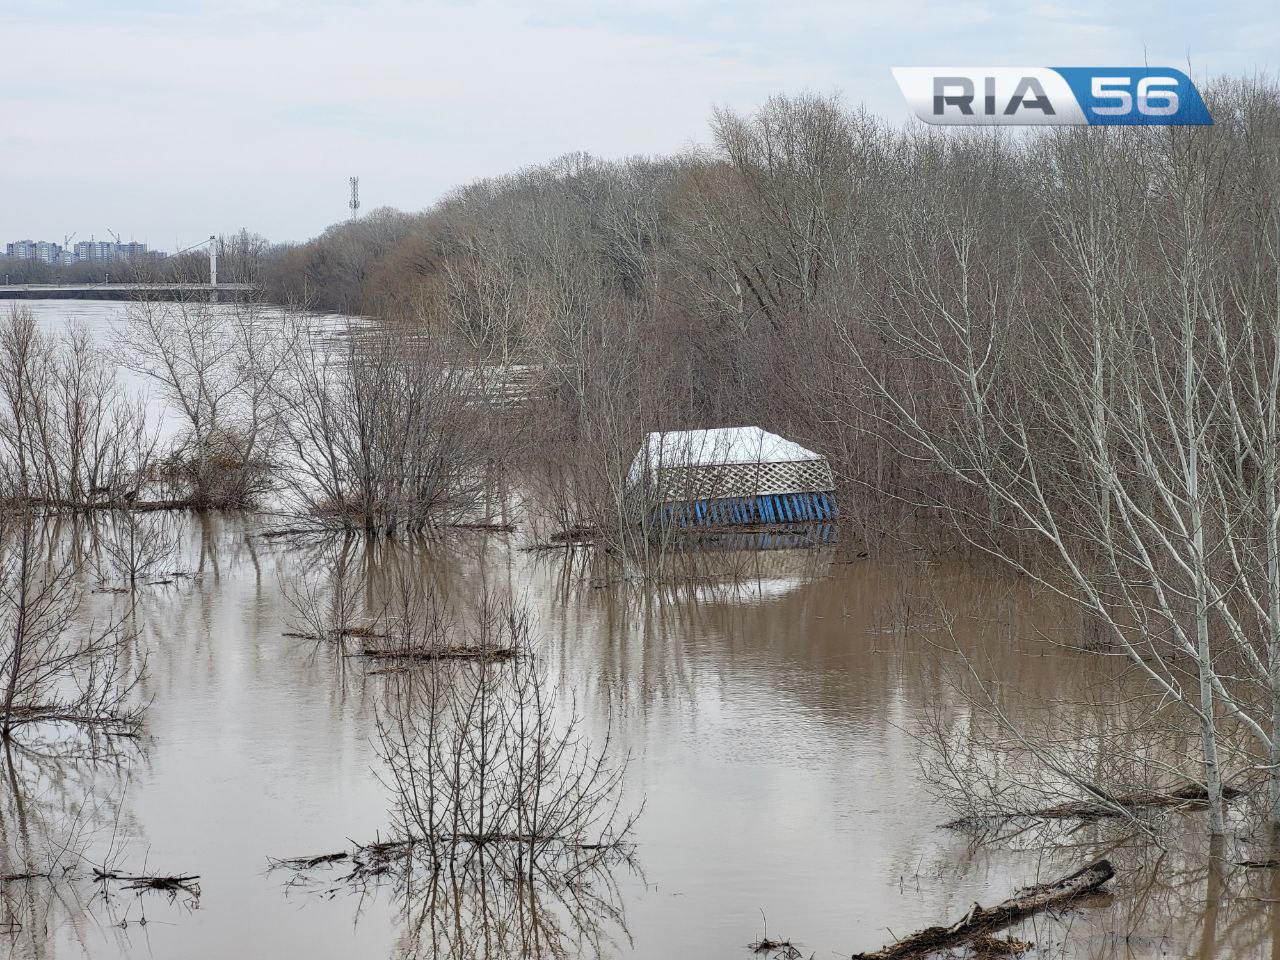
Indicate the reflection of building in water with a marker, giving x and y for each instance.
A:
(741, 568)
(730, 476)
(789, 537)
(744, 563)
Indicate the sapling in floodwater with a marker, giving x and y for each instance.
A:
(482, 753)
(493, 778)
(137, 545)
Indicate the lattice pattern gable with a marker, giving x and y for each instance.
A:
(716, 481)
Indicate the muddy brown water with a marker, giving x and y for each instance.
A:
(767, 717)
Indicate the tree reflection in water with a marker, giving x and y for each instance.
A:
(73, 667)
(483, 908)
(60, 815)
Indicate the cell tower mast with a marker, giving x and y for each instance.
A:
(355, 197)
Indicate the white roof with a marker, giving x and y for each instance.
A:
(720, 445)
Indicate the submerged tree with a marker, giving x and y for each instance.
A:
(482, 754)
(70, 438)
(506, 820)
(387, 433)
(1114, 412)
(137, 545)
(216, 368)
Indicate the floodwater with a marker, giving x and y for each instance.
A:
(769, 718)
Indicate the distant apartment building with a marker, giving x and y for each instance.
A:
(101, 251)
(94, 251)
(86, 251)
(40, 250)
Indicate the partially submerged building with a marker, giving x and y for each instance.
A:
(730, 476)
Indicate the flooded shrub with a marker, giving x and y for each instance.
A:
(216, 368)
(484, 754)
(213, 470)
(387, 433)
(70, 435)
(136, 546)
(506, 820)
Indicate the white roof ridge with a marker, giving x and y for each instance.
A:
(715, 446)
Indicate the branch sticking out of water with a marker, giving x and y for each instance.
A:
(980, 920)
(775, 949)
(1190, 796)
(172, 884)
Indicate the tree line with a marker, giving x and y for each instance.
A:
(1064, 344)
(1060, 348)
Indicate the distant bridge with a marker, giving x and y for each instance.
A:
(120, 291)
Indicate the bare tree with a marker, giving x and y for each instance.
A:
(478, 757)
(386, 432)
(506, 822)
(216, 368)
(70, 437)
(138, 544)
(1134, 441)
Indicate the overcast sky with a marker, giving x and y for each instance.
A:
(168, 122)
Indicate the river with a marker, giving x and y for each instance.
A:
(770, 721)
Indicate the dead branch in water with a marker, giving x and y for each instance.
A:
(369, 861)
(982, 920)
(277, 532)
(307, 863)
(558, 545)
(337, 633)
(986, 946)
(487, 527)
(171, 884)
(427, 654)
(421, 653)
(1189, 796)
(778, 949)
(28, 875)
(129, 506)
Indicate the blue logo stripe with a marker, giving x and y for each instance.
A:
(1129, 96)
